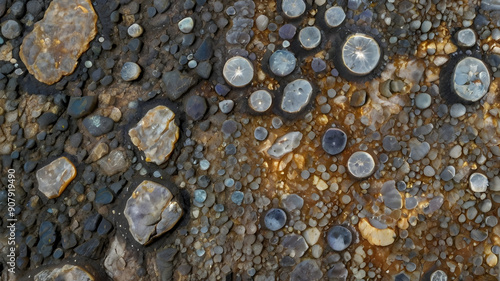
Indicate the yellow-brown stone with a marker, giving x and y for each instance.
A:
(53, 178)
(375, 236)
(52, 49)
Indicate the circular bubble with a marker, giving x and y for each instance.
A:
(260, 100)
(360, 53)
(238, 71)
(293, 8)
(334, 16)
(282, 62)
(334, 141)
(361, 164)
(309, 37)
(275, 219)
(471, 79)
(339, 238)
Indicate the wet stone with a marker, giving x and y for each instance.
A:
(318, 65)
(226, 106)
(98, 125)
(237, 197)
(186, 25)
(293, 8)
(130, 71)
(423, 100)
(88, 249)
(287, 31)
(205, 51)
(339, 238)
(358, 98)
(104, 227)
(294, 244)
(457, 110)
(338, 272)
(135, 30)
(466, 37)
(260, 133)
(11, 29)
(306, 270)
(196, 106)
(103, 196)
(260, 100)
(361, 164)
(309, 37)
(115, 162)
(392, 198)
(49, 60)
(150, 211)
(478, 235)
(296, 95)
(156, 134)
(334, 16)
(282, 62)
(418, 150)
(229, 127)
(471, 79)
(390, 143)
(53, 178)
(292, 202)
(478, 182)
(64, 272)
(275, 219)
(334, 141)
(285, 144)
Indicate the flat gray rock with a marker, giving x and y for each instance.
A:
(177, 83)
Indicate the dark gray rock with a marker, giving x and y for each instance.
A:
(11, 29)
(205, 51)
(196, 107)
(91, 222)
(287, 31)
(103, 196)
(161, 5)
(390, 143)
(89, 249)
(81, 106)
(334, 141)
(294, 244)
(98, 125)
(204, 69)
(104, 227)
(46, 119)
(177, 83)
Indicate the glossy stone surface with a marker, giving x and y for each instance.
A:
(275, 219)
(471, 79)
(392, 198)
(466, 37)
(53, 178)
(130, 71)
(156, 134)
(52, 49)
(334, 16)
(285, 144)
(310, 37)
(238, 71)
(296, 95)
(260, 100)
(339, 238)
(361, 164)
(150, 211)
(282, 62)
(293, 8)
(113, 163)
(439, 275)
(360, 53)
(334, 141)
(65, 272)
(478, 182)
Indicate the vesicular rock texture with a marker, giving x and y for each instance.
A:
(151, 212)
(52, 49)
(156, 134)
(53, 178)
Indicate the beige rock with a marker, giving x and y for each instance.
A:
(53, 178)
(52, 49)
(115, 162)
(311, 235)
(66, 272)
(375, 236)
(150, 211)
(156, 134)
(99, 151)
(492, 260)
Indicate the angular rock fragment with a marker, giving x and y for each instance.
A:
(285, 144)
(156, 134)
(115, 162)
(52, 49)
(150, 211)
(377, 237)
(306, 270)
(295, 245)
(53, 178)
(177, 83)
(65, 272)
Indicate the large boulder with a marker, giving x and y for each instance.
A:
(52, 49)
(150, 211)
(156, 134)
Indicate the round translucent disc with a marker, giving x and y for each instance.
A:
(360, 53)
(293, 8)
(260, 100)
(310, 37)
(238, 71)
(471, 79)
(361, 164)
(282, 62)
(334, 16)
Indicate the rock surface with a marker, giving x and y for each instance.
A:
(285, 144)
(156, 134)
(52, 49)
(65, 272)
(150, 211)
(55, 177)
